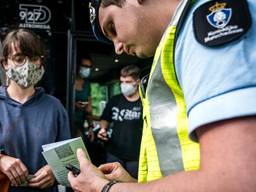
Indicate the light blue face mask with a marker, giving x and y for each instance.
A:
(128, 89)
(85, 72)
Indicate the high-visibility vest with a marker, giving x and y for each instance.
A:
(165, 146)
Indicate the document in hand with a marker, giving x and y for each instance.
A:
(62, 153)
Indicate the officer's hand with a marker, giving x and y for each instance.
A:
(14, 169)
(44, 178)
(102, 134)
(90, 177)
(115, 171)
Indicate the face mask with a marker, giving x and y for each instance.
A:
(128, 89)
(85, 72)
(25, 75)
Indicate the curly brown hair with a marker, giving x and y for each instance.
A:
(25, 40)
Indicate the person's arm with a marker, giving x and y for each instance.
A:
(89, 119)
(102, 134)
(228, 156)
(88, 109)
(105, 120)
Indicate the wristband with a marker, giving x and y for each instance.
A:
(107, 187)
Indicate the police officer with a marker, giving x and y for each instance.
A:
(203, 71)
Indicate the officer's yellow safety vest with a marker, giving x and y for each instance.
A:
(166, 147)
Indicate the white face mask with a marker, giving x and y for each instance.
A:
(25, 75)
(85, 72)
(128, 89)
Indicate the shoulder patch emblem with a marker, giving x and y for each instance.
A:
(219, 22)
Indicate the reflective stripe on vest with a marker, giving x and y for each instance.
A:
(166, 147)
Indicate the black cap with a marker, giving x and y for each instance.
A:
(94, 6)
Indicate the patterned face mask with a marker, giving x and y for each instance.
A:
(25, 75)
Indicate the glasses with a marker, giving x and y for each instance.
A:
(20, 59)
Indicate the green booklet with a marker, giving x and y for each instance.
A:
(60, 154)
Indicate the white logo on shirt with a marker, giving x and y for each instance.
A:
(124, 114)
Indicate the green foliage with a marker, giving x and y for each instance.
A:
(114, 88)
(98, 95)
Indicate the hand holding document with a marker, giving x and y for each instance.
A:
(62, 154)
